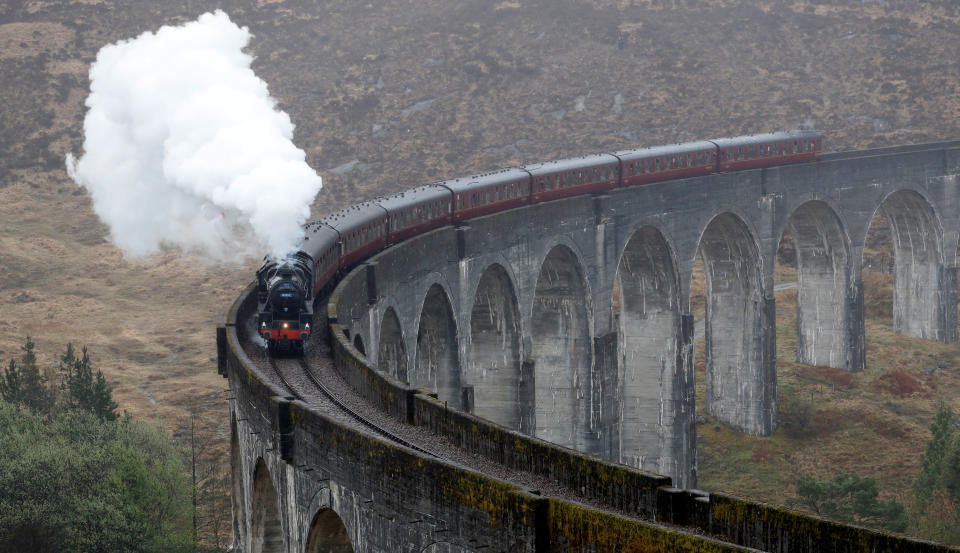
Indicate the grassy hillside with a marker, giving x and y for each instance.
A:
(392, 94)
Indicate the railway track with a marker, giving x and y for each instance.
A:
(302, 363)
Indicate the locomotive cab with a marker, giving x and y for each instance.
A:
(285, 306)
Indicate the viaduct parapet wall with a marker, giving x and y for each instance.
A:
(570, 322)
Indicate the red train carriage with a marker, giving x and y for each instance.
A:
(667, 162)
(322, 244)
(569, 177)
(763, 150)
(363, 231)
(287, 287)
(488, 193)
(417, 211)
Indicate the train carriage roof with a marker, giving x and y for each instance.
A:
(465, 184)
(765, 138)
(318, 238)
(571, 164)
(354, 217)
(416, 196)
(671, 149)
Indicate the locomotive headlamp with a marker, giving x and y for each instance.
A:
(306, 326)
(286, 325)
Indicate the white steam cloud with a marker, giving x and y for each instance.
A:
(184, 147)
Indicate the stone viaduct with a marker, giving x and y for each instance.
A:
(570, 322)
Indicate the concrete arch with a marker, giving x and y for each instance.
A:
(358, 344)
(739, 328)
(328, 534)
(237, 495)
(686, 256)
(437, 364)
(919, 272)
(561, 350)
(500, 393)
(825, 329)
(266, 528)
(392, 354)
(648, 346)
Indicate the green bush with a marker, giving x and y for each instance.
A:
(796, 416)
(848, 497)
(74, 482)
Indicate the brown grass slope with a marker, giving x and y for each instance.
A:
(417, 91)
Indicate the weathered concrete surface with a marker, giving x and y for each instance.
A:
(520, 308)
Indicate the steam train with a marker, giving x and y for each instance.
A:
(331, 246)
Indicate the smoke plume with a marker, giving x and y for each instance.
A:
(185, 148)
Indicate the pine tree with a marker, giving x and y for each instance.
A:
(86, 390)
(938, 450)
(10, 389)
(24, 384)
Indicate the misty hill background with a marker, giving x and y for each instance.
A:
(391, 94)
